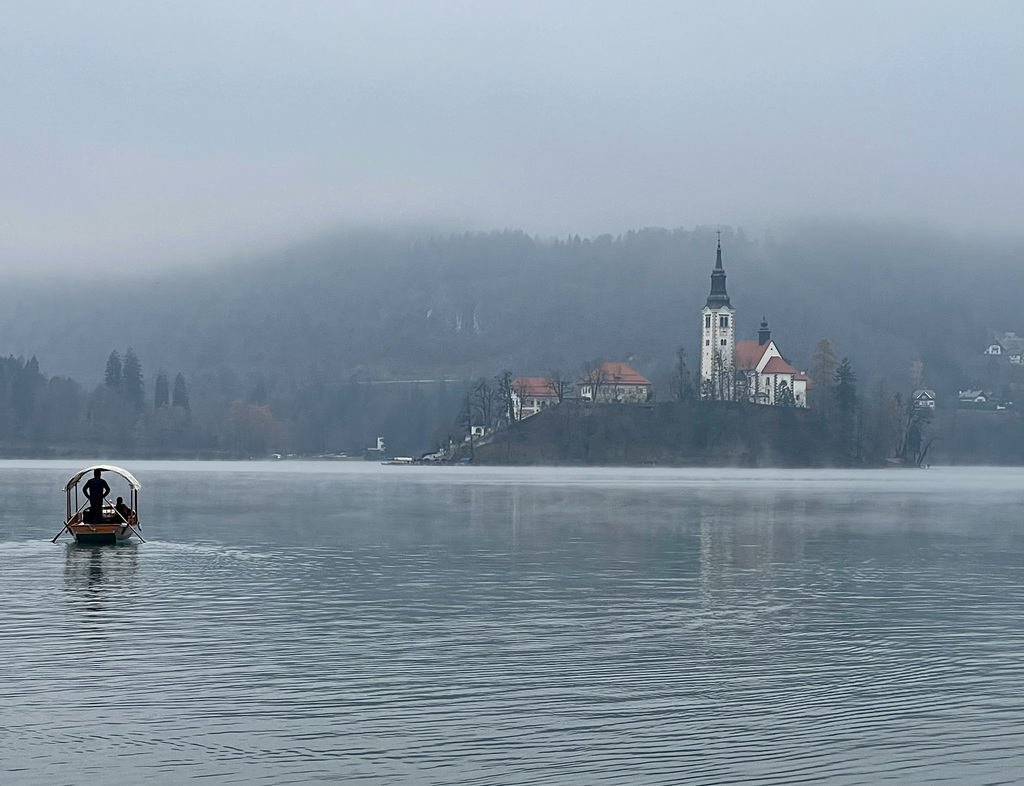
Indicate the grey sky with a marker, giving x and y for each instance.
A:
(183, 131)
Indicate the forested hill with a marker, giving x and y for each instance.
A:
(380, 306)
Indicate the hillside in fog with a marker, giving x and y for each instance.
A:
(298, 325)
(382, 306)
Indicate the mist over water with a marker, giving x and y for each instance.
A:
(349, 622)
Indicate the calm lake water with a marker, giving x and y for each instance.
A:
(348, 622)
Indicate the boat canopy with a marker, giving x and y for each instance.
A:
(103, 468)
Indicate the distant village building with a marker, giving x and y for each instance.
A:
(532, 394)
(752, 371)
(614, 383)
(924, 399)
(978, 399)
(1009, 346)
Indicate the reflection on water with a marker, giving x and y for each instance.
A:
(366, 624)
(100, 574)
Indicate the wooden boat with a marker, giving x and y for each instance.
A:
(106, 522)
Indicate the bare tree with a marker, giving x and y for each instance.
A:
(741, 387)
(518, 393)
(682, 384)
(483, 401)
(560, 385)
(466, 421)
(914, 440)
(724, 379)
(886, 426)
(506, 399)
(917, 374)
(594, 377)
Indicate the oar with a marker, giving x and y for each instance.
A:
(136, 533)
(60, 533)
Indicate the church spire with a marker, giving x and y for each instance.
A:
(718, 297)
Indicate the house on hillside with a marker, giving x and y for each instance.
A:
(532, 394)
(975, 399)
(924, 399)
(1009, 346)
(733, 370)
(614, 383)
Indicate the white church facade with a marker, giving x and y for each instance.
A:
(731, 370)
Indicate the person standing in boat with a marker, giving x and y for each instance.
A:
(96, 489)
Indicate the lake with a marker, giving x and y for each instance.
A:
(301, 622)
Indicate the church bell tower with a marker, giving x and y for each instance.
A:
(718, 337)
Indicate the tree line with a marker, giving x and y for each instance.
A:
(858, 429)
(360, 308)
(386, 306)
(40, 413)
(217, 416)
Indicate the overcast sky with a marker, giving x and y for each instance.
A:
(180, 132)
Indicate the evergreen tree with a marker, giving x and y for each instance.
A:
(113, 376)
(784, 396)
(846, 408)
(4, 401)
(825, 363)
(179, 397)
(131, 379)
(23, 390)
(162, 395)
(846, 387)
(258, 396)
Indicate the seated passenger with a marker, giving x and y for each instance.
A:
(124, 513)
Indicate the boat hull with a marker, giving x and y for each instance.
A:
(100, 534)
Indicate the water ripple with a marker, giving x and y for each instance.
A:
(697, 644)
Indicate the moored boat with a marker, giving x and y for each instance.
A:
(91, 518)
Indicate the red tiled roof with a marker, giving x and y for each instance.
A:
(533, 386)
(778, 366)
(615, 374)
(748, 354)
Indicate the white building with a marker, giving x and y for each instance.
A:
(614, 383)
(717, 367)
(764, 377)
(924, 398)
(532, 394)
(752, 371)
(1010, 346)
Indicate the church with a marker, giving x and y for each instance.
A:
(753, 371)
